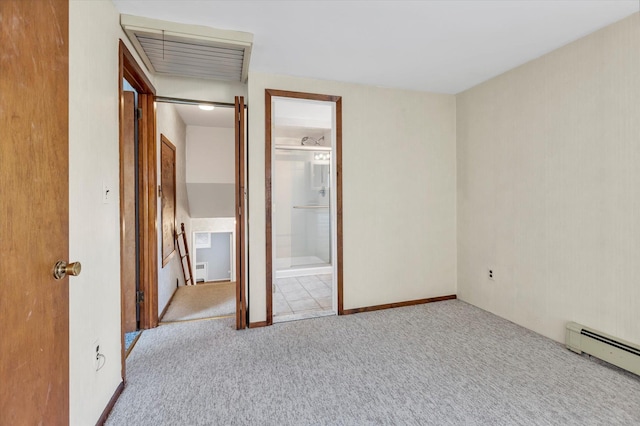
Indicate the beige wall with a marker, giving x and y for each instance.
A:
(385, 199)
(211, 171)
(198, 89)
(211, 154)
(399, 191)
(214, 224)
(173, 128)
(547, 191)
(94, 228)
(94, 237)
(548, 188)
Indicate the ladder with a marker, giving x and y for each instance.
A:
(184, 254)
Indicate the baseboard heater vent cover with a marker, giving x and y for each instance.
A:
(615, 351)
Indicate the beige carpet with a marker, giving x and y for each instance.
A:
(202, 301)
(445, 364)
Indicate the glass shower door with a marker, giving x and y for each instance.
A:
(302, 194)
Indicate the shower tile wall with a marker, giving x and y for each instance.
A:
(302, 295)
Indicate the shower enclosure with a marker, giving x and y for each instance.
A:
(302, 194)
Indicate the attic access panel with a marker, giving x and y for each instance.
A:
(170, 48)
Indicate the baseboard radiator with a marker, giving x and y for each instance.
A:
(607, 348)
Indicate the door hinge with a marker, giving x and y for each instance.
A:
(159, 191)
(138, 113)
(139, 296)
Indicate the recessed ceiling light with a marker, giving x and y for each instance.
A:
(206, 107)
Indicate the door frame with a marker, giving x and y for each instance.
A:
(130, 70)
(268, 95)
(240, 172)
(232, 251)
(240, 125)
(128, 218)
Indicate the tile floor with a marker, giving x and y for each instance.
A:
(302, 297)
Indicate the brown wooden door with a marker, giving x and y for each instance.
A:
(128, 262)
(34, 206)
(241, 305)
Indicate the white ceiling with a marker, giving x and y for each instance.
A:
(436, 46)
(194, 116)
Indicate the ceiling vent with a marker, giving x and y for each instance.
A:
(176, 49)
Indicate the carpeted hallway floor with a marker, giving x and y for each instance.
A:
(445, 363)
(202, 301)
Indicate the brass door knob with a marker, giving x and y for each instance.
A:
(61, 269)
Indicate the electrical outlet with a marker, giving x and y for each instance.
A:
(491, 274)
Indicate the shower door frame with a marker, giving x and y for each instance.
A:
(337, 100)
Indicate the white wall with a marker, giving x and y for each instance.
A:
(548, 182)
(211, 199)
(217, 256)
(94, 237)
(199, 89)
(94, 228)
(217, 224)
(173, 128)
(547, 191)
(211, 171)
(399, 185)
(210, 155)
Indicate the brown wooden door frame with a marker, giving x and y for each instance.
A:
(270, 93)
(128, 244)
(241, 219)
(148, 202)
(34, 207)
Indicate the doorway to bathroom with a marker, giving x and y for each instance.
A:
(304, 205)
